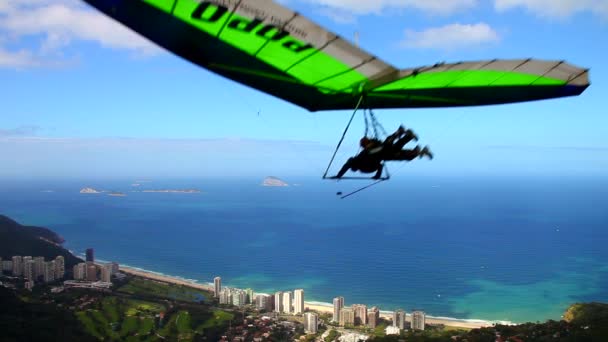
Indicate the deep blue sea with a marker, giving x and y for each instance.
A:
(496, 248)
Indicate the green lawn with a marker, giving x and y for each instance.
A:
(176, 292)
(115, 318)
(131, 316)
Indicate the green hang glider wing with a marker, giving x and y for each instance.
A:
(268, 47)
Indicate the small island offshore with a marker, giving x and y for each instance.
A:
(46, 293)
(89, 190)
(273, 181)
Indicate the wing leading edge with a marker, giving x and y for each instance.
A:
(270, 48)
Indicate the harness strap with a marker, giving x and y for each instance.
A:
(343, 135)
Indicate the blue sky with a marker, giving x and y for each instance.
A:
(84, 97)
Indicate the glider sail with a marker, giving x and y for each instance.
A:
(266, 46)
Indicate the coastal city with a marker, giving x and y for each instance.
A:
(292, 302)
(74, 298)
(356, 322)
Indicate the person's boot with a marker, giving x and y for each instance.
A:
(426, 152)
(412, 134)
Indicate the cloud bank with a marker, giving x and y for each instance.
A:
(451, 37)
(57, 24)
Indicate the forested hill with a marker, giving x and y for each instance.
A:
(16, 239)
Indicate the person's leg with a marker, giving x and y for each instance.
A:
(407, 137)
(406, 154)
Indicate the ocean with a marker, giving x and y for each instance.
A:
(480, 247)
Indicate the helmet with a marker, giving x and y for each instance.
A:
(364, 141)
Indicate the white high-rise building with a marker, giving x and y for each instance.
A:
(59, 267)
(418, 320)
(287, 301)
(298, 301)
(250, 297)
(49, 271)
(347, 316)
(338, 305)
(373, 317)
(106, 273)
(80, 271)
(24, 261)
(225, 296)
(311, 322)
(29, 268)
(399, 319)
(278, 302)
(262, 301)
(239, 297)
(17, 266)
(39, 267)
(360, 314)
(217, 286)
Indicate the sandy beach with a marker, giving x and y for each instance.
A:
(313, 306)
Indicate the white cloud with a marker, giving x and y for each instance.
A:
(16, 59)
(556, 8)
(451, 36)
(60, 23)
(360, 7)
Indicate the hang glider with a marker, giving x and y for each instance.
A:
(268, 47)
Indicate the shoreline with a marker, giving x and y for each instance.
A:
(320, 307)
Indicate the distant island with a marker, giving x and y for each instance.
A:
(89, 191)
(273, 181)
(116, 193)
(181, 191)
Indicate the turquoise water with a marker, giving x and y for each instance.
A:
(516, 249)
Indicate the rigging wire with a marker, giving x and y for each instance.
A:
(343, 135)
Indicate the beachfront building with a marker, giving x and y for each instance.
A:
(392, 330)
(262, 301)
(239, 297)
(278, 302)
(373, 317)
(287, 301)
(225, 296)
(106, 273)
(399, 319)
(418, 320)
(298, 301)
(217, 286)
(59, 267)
(91, 273)
(250, 297)
(338, 305)
(311, 322)
(360, 314)
(347, 316)
(17, 265)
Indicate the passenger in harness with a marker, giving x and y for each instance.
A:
(375, 152)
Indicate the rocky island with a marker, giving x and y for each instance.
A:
(89, 191)
(273, 181)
